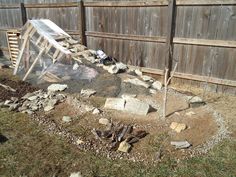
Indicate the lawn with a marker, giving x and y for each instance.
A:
(31, 151)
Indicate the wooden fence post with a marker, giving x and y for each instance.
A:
(169, 37)
(23, 13)
(82, 22)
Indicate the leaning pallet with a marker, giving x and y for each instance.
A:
(13, 45)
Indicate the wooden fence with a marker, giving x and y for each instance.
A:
(199, 35)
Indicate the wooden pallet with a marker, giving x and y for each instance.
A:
(13, 45)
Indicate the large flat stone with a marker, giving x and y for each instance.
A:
(138, 82)
(57, 87)
(135, 106)
(115, 103)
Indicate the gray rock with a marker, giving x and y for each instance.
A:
(121, 66)
(87, 92)
(7, 102)
(152, 91)
(124, 147)
(180, 144)
(113, 69)
(157, 85)
(138, 82)
(66, 119)
(27, 96)
(135, 106)
(193, 99)
(27, 111)
(115, 103)
(75, 66)
(57, 87)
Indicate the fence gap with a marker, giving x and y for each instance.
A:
(82, 22)
(23, 13)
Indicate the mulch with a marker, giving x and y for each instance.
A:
(21, 89)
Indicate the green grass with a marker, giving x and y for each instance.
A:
(31, 151)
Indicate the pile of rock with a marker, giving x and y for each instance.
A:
(35, 101)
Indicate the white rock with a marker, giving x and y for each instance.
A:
(79, 141)
(135, 106)
(115, 103)
(157, 85)
(57, 87)
(190, 113)
(126, 96)
(66, 119)
(88, 108)
(96, 111)
(138, 72)
(48, 108)
(152, 91)
(138, 82)
(121, 66)
(34, 97)
(113, 69)
(194, 99)
(87, 92)
(77, 174)
(124, 146)
(147, 78)
(104, 121)
(75, 66)
(180, 144)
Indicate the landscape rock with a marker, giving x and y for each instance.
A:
(87, 92)
(113, 69)
(57, 87)
(178, 127)
(75, 66)
(76, 174)
(157, 85)
(48, 108)
(136, 106)
(180, 144)
(138, 72)
(193, 99)
(31, 98)
(79, 141)
(13, 106)
(121, 66)
(147, 78)
(152, 91)
(138, 82)
(66, 119)
(127, 96)
(96, 111)
(124, 147)
(115, 103)
(104, 121)
(190, 113)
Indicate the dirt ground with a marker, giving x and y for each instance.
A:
(202, 127)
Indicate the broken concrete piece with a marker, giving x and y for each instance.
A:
(87, 92)
(124, 147)
(138, 82)
(127, 96)
(157, 85)
(135, 106)
(66, 119)
(96, 111)
(115, 103)
(57, 87)
(178, 127)
(180, 144)
(13, 107)
(104, 121)
(138, 72)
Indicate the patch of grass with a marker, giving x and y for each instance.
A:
(33, 152)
